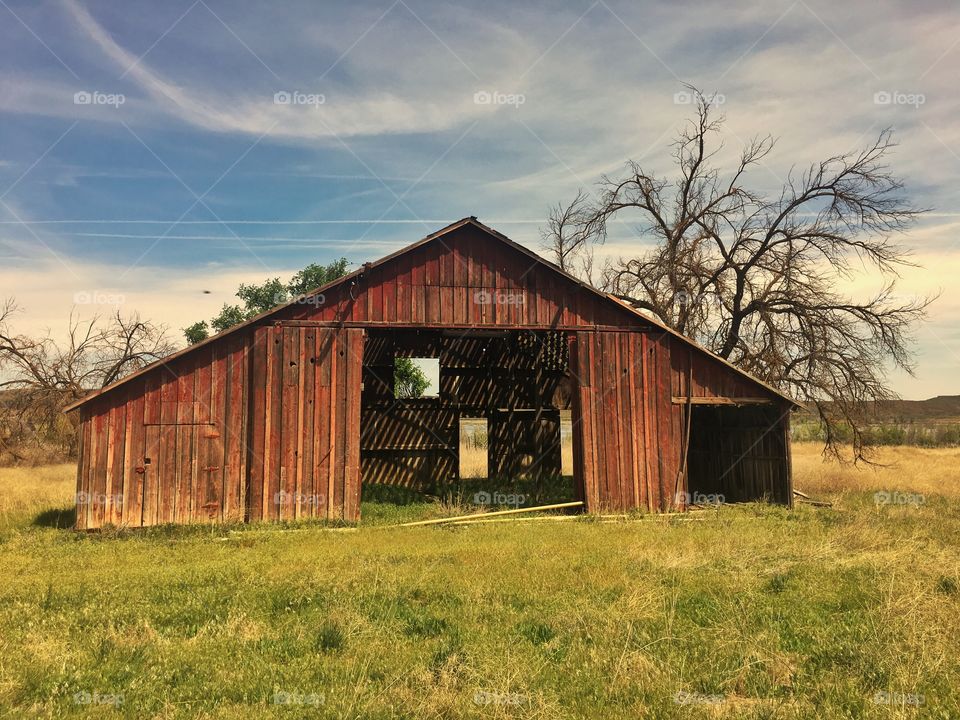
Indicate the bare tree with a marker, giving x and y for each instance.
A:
(568, 234)
(39, 376)
(758, 278)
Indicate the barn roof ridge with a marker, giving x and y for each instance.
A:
(364, 267)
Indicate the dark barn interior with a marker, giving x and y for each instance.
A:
(737, 454)
(518, 381)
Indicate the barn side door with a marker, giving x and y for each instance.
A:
(610, 420)
(304, 424)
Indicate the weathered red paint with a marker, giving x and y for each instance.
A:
(263, 422)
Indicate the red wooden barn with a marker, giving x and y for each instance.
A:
(290, 413)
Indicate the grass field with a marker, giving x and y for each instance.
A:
(747, 611)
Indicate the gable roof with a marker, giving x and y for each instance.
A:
(472, 220)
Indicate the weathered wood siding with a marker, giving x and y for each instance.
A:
(627, 431)
(304, 430)
(464, 279)
(704, 376)
(264, 426)
(170, 446)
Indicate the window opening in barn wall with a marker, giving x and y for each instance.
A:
(416, 377)
(473, 448)
(566, 443)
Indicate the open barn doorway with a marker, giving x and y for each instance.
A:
(737, 454)
(493, 433)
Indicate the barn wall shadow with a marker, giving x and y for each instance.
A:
(60, 518)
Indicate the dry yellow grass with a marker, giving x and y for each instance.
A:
(31, 490)
(928, 471)
(793, 614)
(905, 469)
(473, 462)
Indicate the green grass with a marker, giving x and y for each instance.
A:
(773, 613)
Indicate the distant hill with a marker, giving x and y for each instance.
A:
(940, 408)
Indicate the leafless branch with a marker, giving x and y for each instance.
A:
(757, 278)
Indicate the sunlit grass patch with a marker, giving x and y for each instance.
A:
(748, 611)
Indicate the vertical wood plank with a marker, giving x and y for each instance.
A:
(118, 432)
(351, 453)
(151, 450)
(257, 424)
(272, 453)
(215, 435)
(167, 472)
(340, 408)
(321, 434)
(332, 424)
(200, 456)
(98, 478)
(305, 474)
(285, 501)
(637, 422)
(134, 470)
(624, 422)
(83, 471)
(185, 443)
(233, 437)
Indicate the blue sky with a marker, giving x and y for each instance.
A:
(200, 179)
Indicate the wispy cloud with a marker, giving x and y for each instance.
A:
(342, 112)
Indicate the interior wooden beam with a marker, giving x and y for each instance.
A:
(680, 400)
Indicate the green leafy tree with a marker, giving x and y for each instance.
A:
(198, 332)
(409, 381)
(315, 275)
(260, 298)
(257, 299)
(231, 315)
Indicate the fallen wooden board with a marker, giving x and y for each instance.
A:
(815, 503)
(807, 500)
(582, 518)
(547, 518)
(538, 508)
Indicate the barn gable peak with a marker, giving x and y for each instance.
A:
(463, 256)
